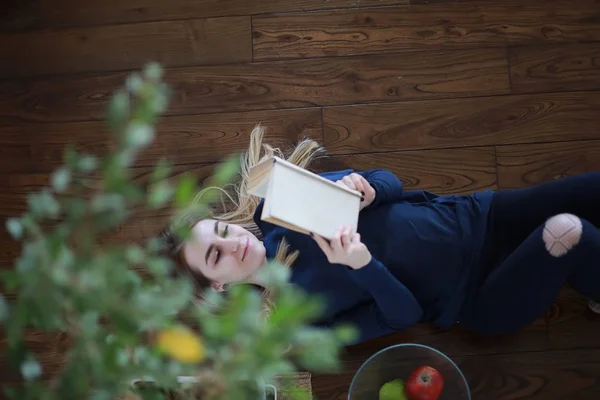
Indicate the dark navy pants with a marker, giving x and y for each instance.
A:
(525, 261)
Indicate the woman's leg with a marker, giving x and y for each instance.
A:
(564, 249)
(517, 213)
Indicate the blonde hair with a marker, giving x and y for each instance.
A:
(237, 206)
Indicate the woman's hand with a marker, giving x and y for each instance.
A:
(355, 181)
(345, 248)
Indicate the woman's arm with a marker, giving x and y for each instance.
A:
(396, 307)
(388, 188)
(393, 309)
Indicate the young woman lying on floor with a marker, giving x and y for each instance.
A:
(494, 261)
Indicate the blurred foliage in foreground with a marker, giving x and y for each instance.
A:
(120, 305)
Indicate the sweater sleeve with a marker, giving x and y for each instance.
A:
(388, 188)
(394, 307)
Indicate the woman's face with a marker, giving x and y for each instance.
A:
(224, 253)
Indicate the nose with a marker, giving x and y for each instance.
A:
(232, 246)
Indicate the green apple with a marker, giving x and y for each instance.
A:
(393, 390)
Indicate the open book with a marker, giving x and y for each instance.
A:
(302, 201)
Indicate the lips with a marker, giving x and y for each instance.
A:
(246, 248)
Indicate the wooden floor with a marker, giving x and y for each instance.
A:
(453, 96)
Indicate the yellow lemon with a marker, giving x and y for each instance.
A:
(181, 344)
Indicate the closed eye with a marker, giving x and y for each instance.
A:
(217, 251)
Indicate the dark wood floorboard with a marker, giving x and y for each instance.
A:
(454, 96)
(466, 24)
(557, 67)
(67, 13)
(571, 324)
(483, 121)
(184, 139)
(270, 85)
(528, 164)
(174, 44)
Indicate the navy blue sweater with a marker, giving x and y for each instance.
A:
(424, 249)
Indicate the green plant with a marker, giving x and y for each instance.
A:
(113, 299)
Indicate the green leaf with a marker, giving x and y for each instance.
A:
(89, 322)
(102, 395)
(108, 202)
(161, 171)
(226, 171)
(3, 309)
(70, 155)
(159, 267)
(43, 204)
(346, 334)
(153, 71)
(87, 163)
(31, 369)
(135, 254)
(61, 178)
(139, 134)
(186, 190)
(134, 83)
(118, 111)
(159, 195)
(14, 227)
(10, 278)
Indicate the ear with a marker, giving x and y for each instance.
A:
(217, 287)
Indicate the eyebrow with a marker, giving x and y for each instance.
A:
(212, 246)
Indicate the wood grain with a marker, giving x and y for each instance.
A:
(555, 67)
(142, 224)
(269, 85)
(172, 43)
(457, 341)
(67, 13)
(551, 375)
(441, 171)
(461, 122)
(183, 139)
(527, 165)
(465, 24)
(548, 375)
(571, 323)
(49, 350)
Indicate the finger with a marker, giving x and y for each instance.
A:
(323, 244)
(348, 182)
(370, 192)
(336, 242)
(358, 182)
(356, 238)
(346, 237)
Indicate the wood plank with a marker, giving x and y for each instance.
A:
(49, 350)
(452, 171)
(461, 123)
(555, 67)
(547, 375)
(464, 24)
(269, 85)
(458, 341)
(189, 139)
(571, 323)
(527, 165)
(142, 225)
(173, 43)
(67, 13)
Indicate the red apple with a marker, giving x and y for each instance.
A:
(424, 383)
